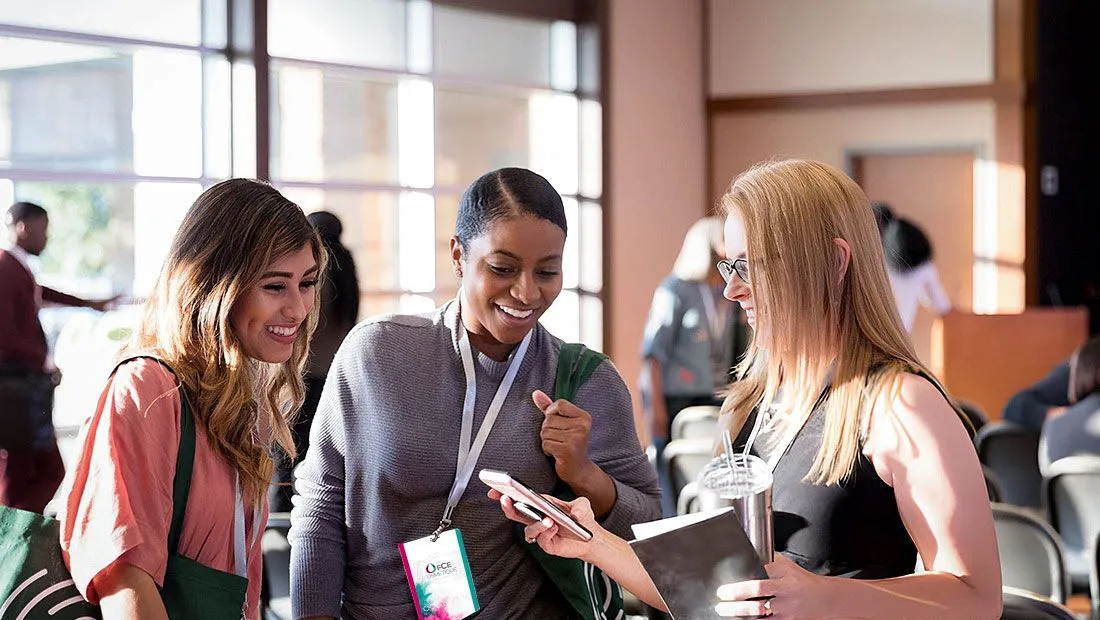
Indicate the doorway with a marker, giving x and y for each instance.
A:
(935, 190)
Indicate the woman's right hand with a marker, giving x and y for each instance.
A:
(548, 534)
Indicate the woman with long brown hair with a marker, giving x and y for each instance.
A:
(215, 367)
(871, 463)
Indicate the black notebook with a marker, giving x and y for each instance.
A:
(689, 556)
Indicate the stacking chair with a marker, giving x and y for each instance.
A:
(1072, 499)
(1032, 557)
(276, 551)
(978, 419)
(992, 486)
(1024, 605)
(688, 501)
(1011, 452)
(685, 459)
(700, 422)
(1094, 578)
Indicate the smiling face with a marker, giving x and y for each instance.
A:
(510, 275)
(266, 318)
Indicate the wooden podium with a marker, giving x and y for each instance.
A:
(986, 358)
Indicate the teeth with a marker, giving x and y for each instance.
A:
(283, 331)
(519, 314)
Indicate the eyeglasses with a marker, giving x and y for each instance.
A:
(740, 266)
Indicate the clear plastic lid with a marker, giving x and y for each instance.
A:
(746, 475)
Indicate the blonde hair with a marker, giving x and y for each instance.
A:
(227, 240)
(702, 243)
(792, 212)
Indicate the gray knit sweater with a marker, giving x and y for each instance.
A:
(382, 459)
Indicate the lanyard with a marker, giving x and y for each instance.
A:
(468, 453)
(240, 546)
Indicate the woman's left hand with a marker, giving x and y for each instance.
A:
(564, 435)
(792, 592)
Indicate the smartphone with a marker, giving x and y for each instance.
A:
(523, 494)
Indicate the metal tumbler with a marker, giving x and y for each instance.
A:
(746, 485)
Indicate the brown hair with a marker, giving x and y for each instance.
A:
(227, 240)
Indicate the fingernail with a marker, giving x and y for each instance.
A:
(547, 522)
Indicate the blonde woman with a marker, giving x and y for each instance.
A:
(872, 464)
(229, 322)
(692, 339)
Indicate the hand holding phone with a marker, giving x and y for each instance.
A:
(533, 503)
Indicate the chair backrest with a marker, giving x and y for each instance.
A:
(992, 485)
(1023, 605)
(978, 418)
(1012, 453)
(1031, 552)
(1094, 577)
(1072, 499)
(699, 422)
(688, 501)
(685, 459)
(276, 553)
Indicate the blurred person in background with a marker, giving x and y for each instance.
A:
(693, 336)
(339, 301)
(31, 468)
(913, 276)
(1064, 405)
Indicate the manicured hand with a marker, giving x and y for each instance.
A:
(547, 533)
(789, 592)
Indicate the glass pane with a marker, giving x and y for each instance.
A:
(563, 60)
(508, 49)
(479, 131)
(571, 260)
(416, 241)
(373, 305)
(416, 133)
(591, 247)
(554, 119)
(217, 105)
(91, 246)
(333, 125)
(592, 322)
(158, 211)
(79, 107)
(173, 21)
(446, 214)
(369, 33)
(370, 222)
(563, 318)
(588, 52)
(244, 119)
(416, 304)
(591, 145)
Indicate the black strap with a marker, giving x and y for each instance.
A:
(185, 457)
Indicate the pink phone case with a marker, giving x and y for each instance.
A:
(520, 492)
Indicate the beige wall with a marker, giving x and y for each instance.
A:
(783, 46)
(740, 140)
(657, 165)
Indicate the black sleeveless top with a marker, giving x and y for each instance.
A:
(851, 529)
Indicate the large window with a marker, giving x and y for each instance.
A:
(383, 111)
(114, 115)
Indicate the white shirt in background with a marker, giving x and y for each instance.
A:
(917, 287)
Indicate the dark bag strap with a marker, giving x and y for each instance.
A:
(185, 456)
(576, 363)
